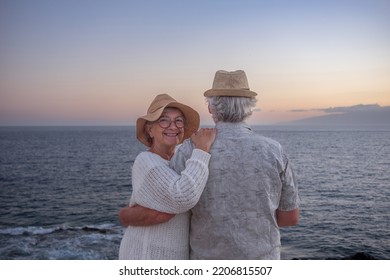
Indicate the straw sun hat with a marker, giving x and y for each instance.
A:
(232, 83)
(155, 110)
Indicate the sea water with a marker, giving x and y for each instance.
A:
(61, 189)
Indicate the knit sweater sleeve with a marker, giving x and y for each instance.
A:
(157, 186)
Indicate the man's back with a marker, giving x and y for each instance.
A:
(235, 216)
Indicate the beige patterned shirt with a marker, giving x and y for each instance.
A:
(249, 178)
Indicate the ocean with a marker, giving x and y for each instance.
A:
(61, 189)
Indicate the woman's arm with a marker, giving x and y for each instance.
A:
(157, 186)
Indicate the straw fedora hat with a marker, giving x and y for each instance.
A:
(155, 110)
(232, 83)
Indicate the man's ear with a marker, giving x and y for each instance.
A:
(208, 107)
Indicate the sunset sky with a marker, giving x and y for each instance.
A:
(102, 62)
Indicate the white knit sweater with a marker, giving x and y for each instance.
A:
(157, 186)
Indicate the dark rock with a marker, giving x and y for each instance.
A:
(99, 230)
(360, 256)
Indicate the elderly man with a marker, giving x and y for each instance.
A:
(251, 189)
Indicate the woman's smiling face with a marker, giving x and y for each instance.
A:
(168, 130)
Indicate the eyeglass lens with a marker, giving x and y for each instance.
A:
(166, 122)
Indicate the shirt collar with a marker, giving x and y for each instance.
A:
(226, 127)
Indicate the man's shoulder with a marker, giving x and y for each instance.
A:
(267, 141)
(182, 153)
(186, 147)
(267, 145)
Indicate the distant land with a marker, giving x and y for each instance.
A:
(372, 115)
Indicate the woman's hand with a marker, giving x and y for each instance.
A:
(204, 138)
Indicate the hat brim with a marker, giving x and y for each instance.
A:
(192, 121)
(230, 92)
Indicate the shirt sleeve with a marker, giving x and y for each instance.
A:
(159, 187)
(290, 196)
(182, 154)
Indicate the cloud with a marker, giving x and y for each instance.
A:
(301, 110)
(355, 108)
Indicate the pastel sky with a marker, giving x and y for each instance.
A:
(103, 62)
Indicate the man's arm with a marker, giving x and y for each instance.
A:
(287, 218)
(138, 215)
(289, 197)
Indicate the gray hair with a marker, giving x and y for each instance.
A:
(231, 108)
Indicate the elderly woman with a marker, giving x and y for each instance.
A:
(157, 186)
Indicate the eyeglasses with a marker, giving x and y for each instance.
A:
(165, 122)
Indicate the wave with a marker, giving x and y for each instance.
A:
(36, 230)
(355, 256)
